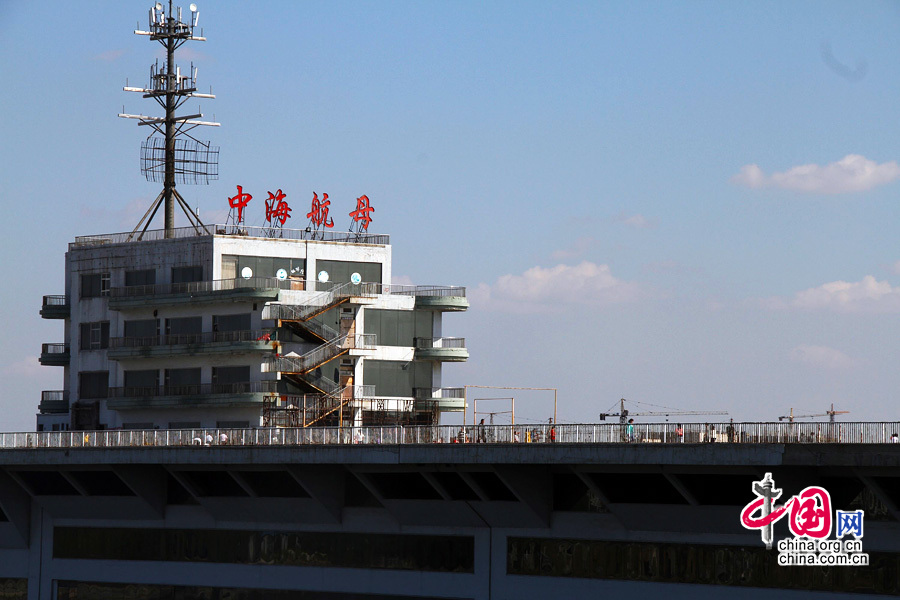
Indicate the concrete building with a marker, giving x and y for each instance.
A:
(234, 328)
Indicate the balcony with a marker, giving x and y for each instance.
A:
(190, 344)
(55, 307)
(54, 402)
(445, 349)
(175, 294)
(445, 399)
(55, 355)
(200, 395)
(444, 298)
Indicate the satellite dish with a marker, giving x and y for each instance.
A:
(355, 278)
(158, 6)
(246, 272)
(281, 274)
(323, 276)
(193, 8)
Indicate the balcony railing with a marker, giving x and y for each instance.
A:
(694, 436)
(54, 401)
(54, 348)
(174, 339)
(194, 389)
(55, 307)
(208, 230)
(200, 287)
(443, 342)
(430, 393)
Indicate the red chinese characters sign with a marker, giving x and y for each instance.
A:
(318, 213)
(361, 215)
(239, 201)
(277, 208)
(278, 211)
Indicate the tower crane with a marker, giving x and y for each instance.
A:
(828, 413)
(624, 413)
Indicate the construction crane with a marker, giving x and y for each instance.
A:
(828, 413)
(624, 413)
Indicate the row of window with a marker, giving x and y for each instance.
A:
(95, 335)
(95, 384)
(89, 590)
(693, 563)
(443, 553)
(97, 284)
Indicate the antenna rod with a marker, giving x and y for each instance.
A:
(169, 182)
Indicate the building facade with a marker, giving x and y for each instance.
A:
(233, 328)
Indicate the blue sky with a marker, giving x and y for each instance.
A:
(690, 204)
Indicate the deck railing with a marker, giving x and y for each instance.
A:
(193, 389)
(242, 231)
(694, 435)
(207, 337)
(200, 287)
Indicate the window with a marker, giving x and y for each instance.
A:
(143, 277)
(93, 384)
(395, 378)
(183, 381)
(94, 336)
(184, 326)
(231, 322)
(142, 328)
(261, 266)
(145, 380)
(339, 271)
(227, 375)
(399, 327)
(187, 274)
(94, 285)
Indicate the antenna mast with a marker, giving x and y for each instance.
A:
(170, 156)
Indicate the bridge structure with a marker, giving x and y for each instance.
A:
(346, 514)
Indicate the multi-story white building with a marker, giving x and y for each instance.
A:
(231, 328)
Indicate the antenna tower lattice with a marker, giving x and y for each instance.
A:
(171, 158)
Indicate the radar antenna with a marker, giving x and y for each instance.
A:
(170, 157)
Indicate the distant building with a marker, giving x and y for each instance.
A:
(228, 328)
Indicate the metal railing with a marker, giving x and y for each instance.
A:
(54, 396)
(54, 348)
(172, 339)
(56, 300)
(319, 355)
(447, 392)
(200, 287)
(443, 342)
(333, 294)
(695, 435)
(192, 389)
(219, 229)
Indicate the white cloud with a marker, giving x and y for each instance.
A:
(853, 173)
(866, 295)
(549, 290)
(636, 221)
(821, 357)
